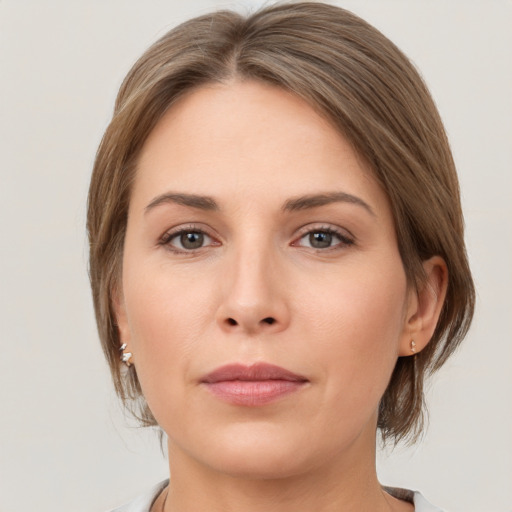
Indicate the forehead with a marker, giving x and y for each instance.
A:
(243, 137)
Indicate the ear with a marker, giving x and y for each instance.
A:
(121, 319)
(424, 307)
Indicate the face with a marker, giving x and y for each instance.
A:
(263, 296)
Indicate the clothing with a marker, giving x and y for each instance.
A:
(143, 503)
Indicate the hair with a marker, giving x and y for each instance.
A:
(368, 89)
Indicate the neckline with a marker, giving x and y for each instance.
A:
(397, 492)
(400, 494)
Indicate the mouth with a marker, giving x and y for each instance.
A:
(254, 385)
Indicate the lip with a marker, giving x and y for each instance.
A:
(253, 385)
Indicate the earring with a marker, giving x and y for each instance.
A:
(413, 346)
(125, 357)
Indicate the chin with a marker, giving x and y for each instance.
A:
(260, 453)
(260, 464)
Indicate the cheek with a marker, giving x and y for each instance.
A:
(163, 304)
(167, 317)
(357, 326)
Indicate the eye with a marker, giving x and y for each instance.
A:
(323, 238)
(185, 240)
(191, 240)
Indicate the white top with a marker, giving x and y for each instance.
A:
(143, 503)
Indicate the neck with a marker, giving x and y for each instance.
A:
(346, 483)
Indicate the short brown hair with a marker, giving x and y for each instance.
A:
(368, 89)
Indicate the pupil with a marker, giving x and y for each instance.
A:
(192, 240)
(320, 240)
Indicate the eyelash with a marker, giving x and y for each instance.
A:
(345, 240)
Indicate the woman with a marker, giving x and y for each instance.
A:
(277, 258)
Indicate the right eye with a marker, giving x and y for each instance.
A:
(187, 240)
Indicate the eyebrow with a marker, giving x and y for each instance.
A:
(316, 200)
(305, 202)
(192, 200)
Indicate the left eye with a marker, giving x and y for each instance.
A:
(323, 239)
(188, 240)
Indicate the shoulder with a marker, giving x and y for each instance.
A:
(143, 503)
(422, 505)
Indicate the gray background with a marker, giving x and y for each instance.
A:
(64, 442)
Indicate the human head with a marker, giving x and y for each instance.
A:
(358, 80)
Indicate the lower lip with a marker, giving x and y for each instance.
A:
(253, 393)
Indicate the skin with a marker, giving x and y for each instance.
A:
(341, 314)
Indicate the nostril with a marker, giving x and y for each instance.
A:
(267, 320)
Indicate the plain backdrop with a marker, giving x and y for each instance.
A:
(65, 444)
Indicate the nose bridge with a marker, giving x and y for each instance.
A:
(253, 297)
(252, 281)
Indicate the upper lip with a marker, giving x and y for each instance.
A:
(254, 372)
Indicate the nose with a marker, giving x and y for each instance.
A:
(253, 295)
